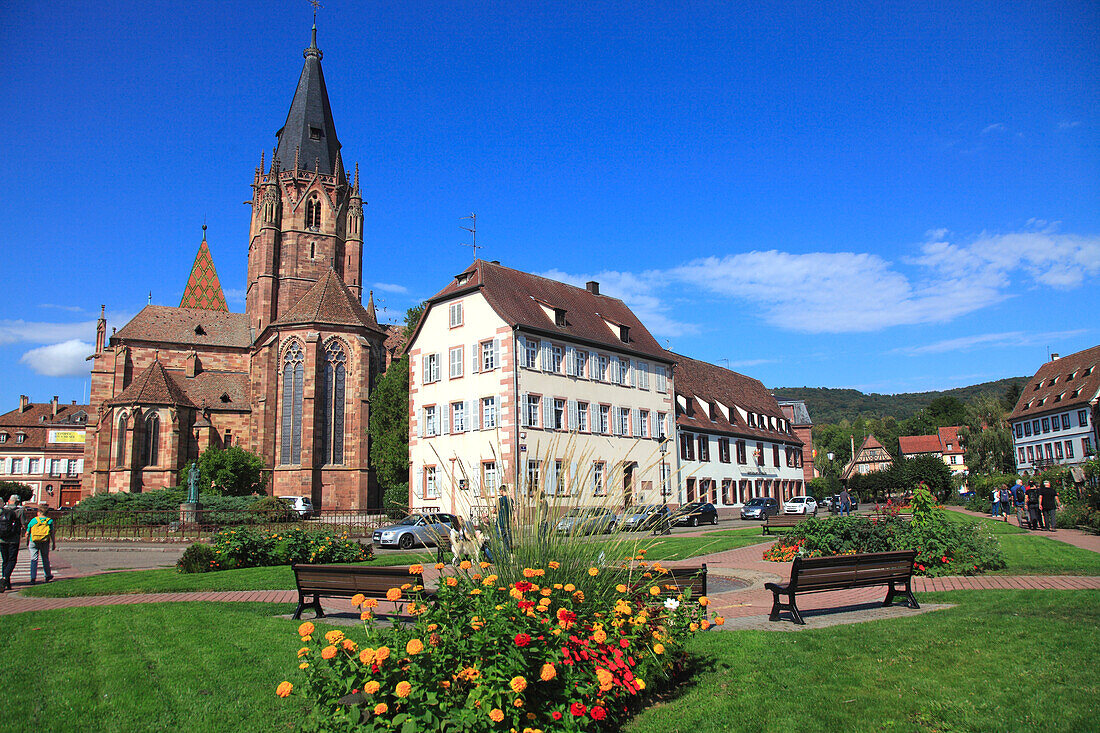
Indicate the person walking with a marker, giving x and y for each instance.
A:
(1019, 502)
(40, 536)
(1033, 517)
(12, 520)
(1006, 502)
(1048, 505)
(845, 502)
(995, 502)
(504, 518)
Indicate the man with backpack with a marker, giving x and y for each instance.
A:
(40, 531)
(1019, 501)
(12, 519)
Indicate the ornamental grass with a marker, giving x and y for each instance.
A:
(486, 654)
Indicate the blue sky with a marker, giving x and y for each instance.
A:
(892, 197)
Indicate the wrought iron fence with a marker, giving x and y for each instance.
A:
(175, 525)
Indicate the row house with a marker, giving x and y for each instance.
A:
(734, 441)
(521, 380)
(1055, 419)
(42, 446)
(871, 457)
(945, 445)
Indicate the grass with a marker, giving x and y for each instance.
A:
(1031, 553)
(999, 661)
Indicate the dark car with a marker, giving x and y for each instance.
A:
(834, 505)
(587, 520)
(760, 507)
(694, 514)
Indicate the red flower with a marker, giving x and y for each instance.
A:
(624, 643)
(944, 558)
(598, 713)
(522, 640)
(566, 616)
(523, 586)
(556, 715)
(921, 567)
(578, 709)
(524, 605)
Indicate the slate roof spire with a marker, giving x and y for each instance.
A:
(309, 131)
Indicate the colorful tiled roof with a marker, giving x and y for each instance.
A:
(203, 290)
(709, 384)
(519, 298)
(1071, 381)
(153, 386)
(191, 326)
(330, 302)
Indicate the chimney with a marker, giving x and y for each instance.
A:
(1054, 357)
(53, 406)
(24, 403)
(593, 287)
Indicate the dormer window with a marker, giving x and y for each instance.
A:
(20, 437)
(1087, 372)
(3, 437)
(624, 334)
(462, 279)
(1038, 385)
(559, 317)
(752, 419)
(199, 330)
(316, 133)
(713, 411)
(313, 213)
(225, 397)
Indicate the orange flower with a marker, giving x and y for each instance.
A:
(476, 623)
(593, 572)
(371, 687)
(381, 708)
(569, 587)
(451, 581)
(693, 626)
(328, 652)
(445, 684)
(367, 656)
(284, 688)
(704, 601)
(370, 603)
(393, 594)
(414, 647)
(548, 672)
(417, 569)
(439, 566)
(496, 715)
(303, 651)
(357, 599)
(403, 689)
(465, 565)
(382, 654)
(365, 615)
(599, 636)
(705, 624)
(719, 620)
(518, 702)
(305, 629)
(658, 648)
(303, 665)
(528, 573)
(518, 684)
(334, 636)
(484, 565)
(349, 645)
(620, 588)
(553, 564)
(578, 596)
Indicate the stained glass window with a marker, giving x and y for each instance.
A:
(293, 373)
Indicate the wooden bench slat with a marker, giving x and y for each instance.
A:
(345, 581)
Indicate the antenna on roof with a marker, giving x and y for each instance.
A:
(472, 229)
(150, 302)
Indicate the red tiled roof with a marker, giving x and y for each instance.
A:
(949, 436)
(203, 289)
(871, 442)
(713, 384)
(515, 296)
(916, 444)
(1061, 384)
(190, 326)
(39, 414)
(330, 302)
(206, 389)
(153, 386)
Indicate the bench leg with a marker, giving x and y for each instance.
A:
(890, 595)
(909, 594)
(794, 612)
(302, 605)
(776, 607)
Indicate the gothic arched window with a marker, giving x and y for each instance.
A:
(332, 403)
(313, 213)
(150, 437)
(292, 373)
(120, 452)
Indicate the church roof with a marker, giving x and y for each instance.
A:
(204, 290)
(309, 130)
(153, 386)
(191, 326)
(330, 302)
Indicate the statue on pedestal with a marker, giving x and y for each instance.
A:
(193, 483)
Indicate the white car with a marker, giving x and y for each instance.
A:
(801, 505)
(300, 505)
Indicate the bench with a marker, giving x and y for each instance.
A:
(691, 578)
(781, 521)
(814, 574)
(345, 581)
(903, 516)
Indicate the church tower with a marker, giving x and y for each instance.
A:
(306, 216)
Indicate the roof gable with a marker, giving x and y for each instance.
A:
(329, 302)
(1070, 381)
(153, 386)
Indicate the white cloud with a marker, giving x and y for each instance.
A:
(16, 330)
(1069, 125)
(66, 359)
(1009, 339)
(56, 306)
(745, 363)
(235, 295)
(995, 127)
(390, 288)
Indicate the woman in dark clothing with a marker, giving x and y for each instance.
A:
(1034, 517)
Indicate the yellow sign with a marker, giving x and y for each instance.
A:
(66, 436)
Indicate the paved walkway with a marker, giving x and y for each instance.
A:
(1070, 536)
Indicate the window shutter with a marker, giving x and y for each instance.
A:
(523, 411)
(496, 353)
(573, 415)
(418, 483)
(546, 356)
(573, 479)
(475, 358)
(521, 350)
(633, 373)
(654, 428)
(547, 412)
(419, 418)
(469, 417)
(637, 423)
(570, 361)
(550, 481)
(444, 419)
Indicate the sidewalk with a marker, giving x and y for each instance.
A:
(1074, 537)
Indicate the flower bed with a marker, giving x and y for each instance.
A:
(534, 654)
(249, 548)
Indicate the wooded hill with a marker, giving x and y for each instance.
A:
(828, 405)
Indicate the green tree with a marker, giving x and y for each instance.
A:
(412, 317)
(231, 472)
(987, 438)
(389, 433)
(946, 410)
(1012, 396)
(7, 488)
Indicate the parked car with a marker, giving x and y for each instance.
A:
(301, 505)
(694, 514)
(415, 529)
(643, 517)
(835, 505)
(760, 507)
(587, 520)
(801, 505)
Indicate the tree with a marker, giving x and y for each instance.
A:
(389, 433)
(412, 317)
(946, 410)
(7, 488)
(987, 438)
(1012, 396)
(232, 472)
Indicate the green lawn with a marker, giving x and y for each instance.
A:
(1033, 553)
(999, 661)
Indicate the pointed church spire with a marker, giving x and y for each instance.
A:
(309, 131)
(370, 307)
(204, 290)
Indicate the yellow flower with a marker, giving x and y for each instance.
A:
(304, 651)
(328, 652)
(620, 588)
(414, 647)
(704, 601)
(599, 636)
(705, 624)
(334, 636)
(465, 565)
(382, 654)
(366, 656)
(393, 594)
(496, 715)
(569, 587)
(639, 683)
(417, 569)
(303, 665)
(553, 564)
(305, 629)
(693, 626)
(381, 708)
(357, 599)
(371, 687)
(658, 648)
(518, 702)
(476, 592)
(518, 684)
(370, 603)
(284, 688)
(548, 672)
(439, 566)
(593, 572)
(403, 689)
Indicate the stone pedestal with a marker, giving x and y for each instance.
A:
(189, 512)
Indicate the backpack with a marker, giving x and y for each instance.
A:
(40, 530)
(10, 526)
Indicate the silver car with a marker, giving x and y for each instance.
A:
(587, 520)
(415, 529)
(643, 517)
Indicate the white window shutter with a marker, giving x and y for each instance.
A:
(547, 412)
(521, 350)
(544, 355)
(637, 423)
(573, 419)
(496, 353)
(418, 484)
(633, 373)
(444, 419)
(570, 361)
(654, 428)
(420, 424)
(475, 358)
(523, 411)
(550, 480)
(468, 412)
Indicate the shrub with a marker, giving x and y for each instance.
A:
(198, 558)
(486, 654)
(7, 488)
(244, 547)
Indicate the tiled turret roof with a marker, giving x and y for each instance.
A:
(204, 290)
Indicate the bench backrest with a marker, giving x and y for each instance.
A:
(851, 571)
(352, 579)
(685, 578)
(785, 519)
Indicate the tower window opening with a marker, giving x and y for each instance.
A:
(311, 250)
(313, 213)
(315, 133)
